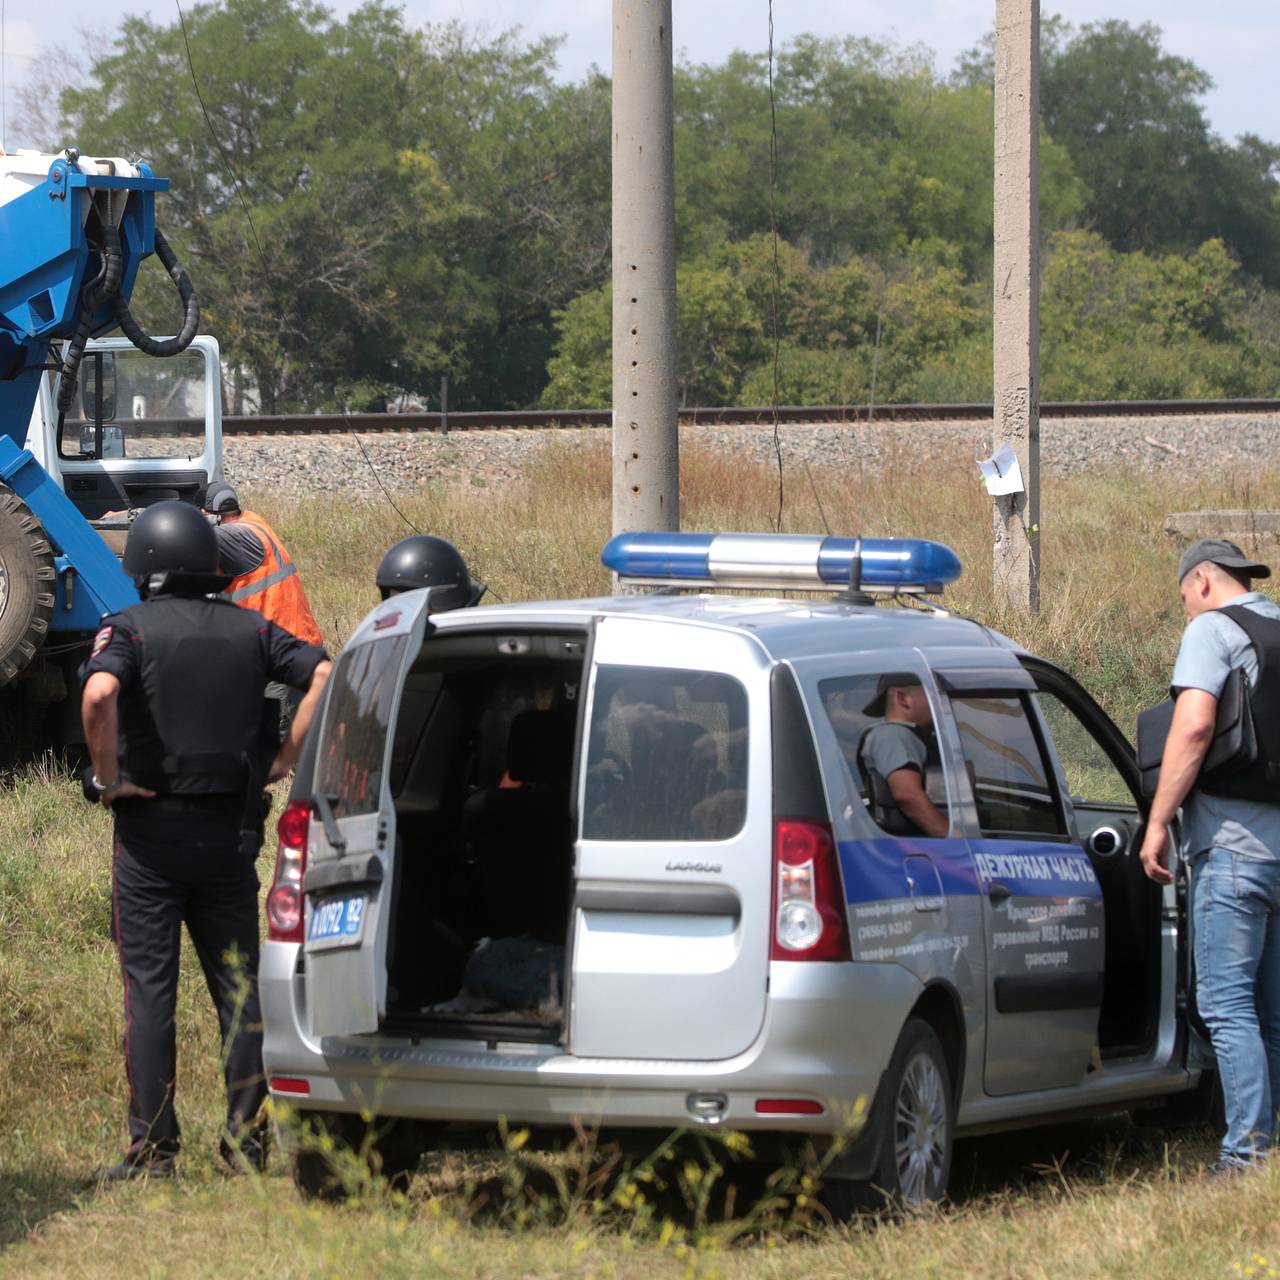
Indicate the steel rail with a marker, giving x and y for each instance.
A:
(788, 415)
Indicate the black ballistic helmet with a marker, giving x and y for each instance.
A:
(424, 561)
(174, 540)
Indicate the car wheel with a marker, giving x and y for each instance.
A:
(1200, 1107)
(335, 1153)
(916, 1133)
(918, 1125)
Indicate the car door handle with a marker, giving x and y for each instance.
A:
(998, 892)
(343, 873)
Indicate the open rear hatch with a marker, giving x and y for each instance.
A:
(455, 769)
(464, 932)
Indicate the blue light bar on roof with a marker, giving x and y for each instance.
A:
(786, 561)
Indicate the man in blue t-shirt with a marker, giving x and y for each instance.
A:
(1232, 846)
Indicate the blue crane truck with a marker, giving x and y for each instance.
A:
(90, 427)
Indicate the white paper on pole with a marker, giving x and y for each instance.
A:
(1001, 472)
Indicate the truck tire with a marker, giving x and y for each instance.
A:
(27, 583)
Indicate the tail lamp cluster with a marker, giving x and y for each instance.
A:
(809, 921)
(284, 901)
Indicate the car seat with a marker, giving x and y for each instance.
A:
(519, 832)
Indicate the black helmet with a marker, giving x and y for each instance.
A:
(424, 561)
(174, 540)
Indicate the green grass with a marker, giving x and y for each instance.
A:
(1092, 1200)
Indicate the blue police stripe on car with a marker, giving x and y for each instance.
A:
(875, 871)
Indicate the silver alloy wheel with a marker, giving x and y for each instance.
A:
(921, 1131)
(4, 588)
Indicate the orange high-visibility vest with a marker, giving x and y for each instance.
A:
(274, 588)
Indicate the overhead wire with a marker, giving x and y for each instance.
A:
(217, 142)
(378, 479)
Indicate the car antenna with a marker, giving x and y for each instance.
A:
(853, 593)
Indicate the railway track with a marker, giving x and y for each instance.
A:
(788, 415)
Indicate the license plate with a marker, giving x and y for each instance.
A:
(337, 922)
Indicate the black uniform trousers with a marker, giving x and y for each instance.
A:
(174, 862)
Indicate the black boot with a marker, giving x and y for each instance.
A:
(146, 1160)
(247, 1150)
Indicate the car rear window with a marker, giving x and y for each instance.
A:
(353, 747)
(666, 756)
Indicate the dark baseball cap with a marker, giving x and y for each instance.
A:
(221, 499)
(1221, 552)
(893, 680)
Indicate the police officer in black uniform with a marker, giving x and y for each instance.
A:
(174, 720)
(426, 561)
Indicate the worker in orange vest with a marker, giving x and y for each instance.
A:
(266, 579)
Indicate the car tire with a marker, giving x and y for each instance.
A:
(917, 1132)
(27, 585)
(1201, 1107)
(329, 1171)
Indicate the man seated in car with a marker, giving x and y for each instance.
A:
(894, 756)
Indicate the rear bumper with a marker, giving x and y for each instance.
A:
(828, 1034)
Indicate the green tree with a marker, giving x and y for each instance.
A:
(421, 200)
(580, 373)
(1128, 113)
(1136, 326)
(874, 154)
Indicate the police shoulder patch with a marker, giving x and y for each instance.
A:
(101, 640)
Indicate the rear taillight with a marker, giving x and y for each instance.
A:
(284, 902)
(809, 921)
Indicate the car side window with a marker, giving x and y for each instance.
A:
(353, 745)
(1012, 782)
(884, 724)
(666, 756)
(1091, 774)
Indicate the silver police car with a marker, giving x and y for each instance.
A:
(713, 859)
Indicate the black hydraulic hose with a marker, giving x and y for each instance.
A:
(191, 308)
(104, 285)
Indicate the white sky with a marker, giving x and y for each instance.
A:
(1234, 40)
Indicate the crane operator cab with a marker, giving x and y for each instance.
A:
(141, 429)
(721, 858)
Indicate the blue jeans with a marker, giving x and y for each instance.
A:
(1236, 930)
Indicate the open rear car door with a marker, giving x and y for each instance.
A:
(352, 838)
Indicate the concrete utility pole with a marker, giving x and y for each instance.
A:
(1017, 295)
(646, 465)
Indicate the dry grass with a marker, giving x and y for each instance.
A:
(1090, 1201)
(1110, 612)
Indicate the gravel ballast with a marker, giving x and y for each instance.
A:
(300, 466)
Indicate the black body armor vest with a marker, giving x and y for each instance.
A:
(194, 726)
(1260, 780)
(881, 804)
